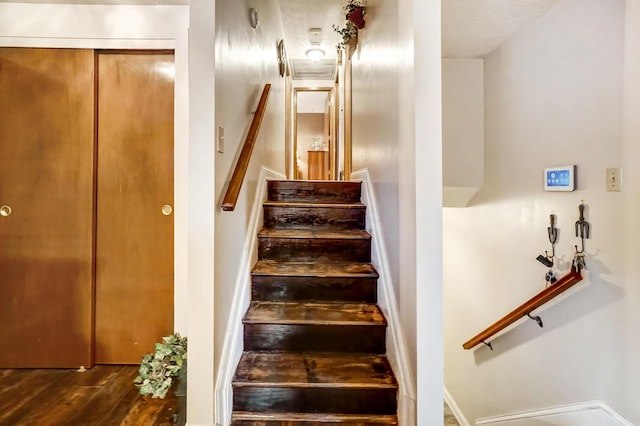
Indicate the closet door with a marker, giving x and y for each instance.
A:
(46, 207)
(134, 251)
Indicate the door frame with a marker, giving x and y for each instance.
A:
(333, 143)
(346, 105)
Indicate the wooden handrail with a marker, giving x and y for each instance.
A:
(527, 307)
(233, 191)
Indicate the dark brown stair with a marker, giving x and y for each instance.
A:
(314, 383)
(314, 281)
(314, 338)
(248, 418)
(316, 215)
(314, 191)
(290, 245)
(314, 327)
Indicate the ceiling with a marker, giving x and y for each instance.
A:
(474, 28)
(299, 17)
(470, 28)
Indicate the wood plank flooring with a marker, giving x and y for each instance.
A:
(101, 396)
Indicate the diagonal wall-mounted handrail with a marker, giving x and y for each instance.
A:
(233, 191)
(564, 283)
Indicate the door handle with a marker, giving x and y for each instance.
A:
(167, 210)
(5, 211)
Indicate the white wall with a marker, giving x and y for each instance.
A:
(463, 122)
(462, 130)
(554, 96)
(375, 117)
(630, 207)
(246, 59)
(312, 83)
(397, 137)
(201, 230)
(426, 184)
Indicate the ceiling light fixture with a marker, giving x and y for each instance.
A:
(315, 54)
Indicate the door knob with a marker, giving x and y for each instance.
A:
(5, 211)
(167, 210)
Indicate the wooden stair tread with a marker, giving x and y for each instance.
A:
(315, 269)
(314, 370)
(310, 233)
(314, 313)
(318, 205)
(316, 417)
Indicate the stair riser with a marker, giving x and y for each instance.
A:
(321, 400)
(309, 423)
(315, 338)
(318, 217)
(313, 192)
(307, 250)
(321, 289)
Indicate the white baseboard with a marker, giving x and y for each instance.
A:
(396, 348)
(589, 413)
(232, 349)
(455, 409)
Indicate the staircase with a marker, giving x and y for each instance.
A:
(314, 338)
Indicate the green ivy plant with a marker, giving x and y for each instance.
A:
(158, 369)
(346, 33)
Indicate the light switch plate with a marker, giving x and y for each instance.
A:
(614, 179)
(220, 140)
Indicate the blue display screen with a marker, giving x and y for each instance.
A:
(558, 178)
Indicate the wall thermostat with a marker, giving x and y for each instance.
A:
(561, 178)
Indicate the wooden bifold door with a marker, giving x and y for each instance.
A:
(86, 198)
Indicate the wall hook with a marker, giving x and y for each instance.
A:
(582, 226)
(488, 344)
(536, 319)
(583, 230)
(552, 232)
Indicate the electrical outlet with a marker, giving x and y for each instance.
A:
(220, 140)
(614, 179)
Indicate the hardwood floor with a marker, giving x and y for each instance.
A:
(101, 396)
